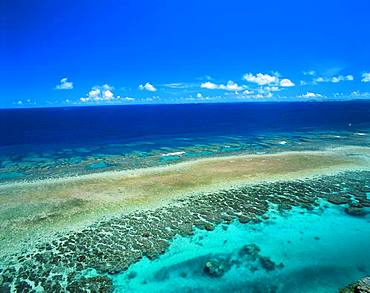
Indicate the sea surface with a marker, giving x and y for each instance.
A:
(295, 245)
(52, 142)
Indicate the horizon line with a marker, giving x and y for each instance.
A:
(192, 103)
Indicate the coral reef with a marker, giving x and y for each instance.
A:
(112, 246)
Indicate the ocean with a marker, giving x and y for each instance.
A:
(107, 124)
(34, 142)
(239, 197)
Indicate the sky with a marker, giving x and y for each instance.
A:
(73, 53)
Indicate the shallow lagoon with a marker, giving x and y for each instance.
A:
(321, 251)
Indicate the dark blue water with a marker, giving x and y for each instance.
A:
(75, 126)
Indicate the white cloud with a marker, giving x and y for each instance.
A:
(359, 94)
(94, 93)
(148, 87)
(64, 84)
(319, 79)
(261, 79)
(107, 95)
(230, 86)
(99, 93)
(286, 83)
(310, 95)
(302, 82)
(365, 77)
(340, 78)
(334, 79)
(199, 95)
(209, 85)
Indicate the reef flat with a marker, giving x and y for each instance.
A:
(30, 209)
(149, 207)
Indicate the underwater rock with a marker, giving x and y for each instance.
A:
(267, 263)
(338, 199)
(250, 250)
(355, 210)
(361, 286)
(209, 227)
(216, 268)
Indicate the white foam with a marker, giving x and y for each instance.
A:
(173, 154)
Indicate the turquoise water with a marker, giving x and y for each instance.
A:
(317, 251)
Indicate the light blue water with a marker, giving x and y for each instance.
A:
(321, 251)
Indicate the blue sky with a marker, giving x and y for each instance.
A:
(59, 53)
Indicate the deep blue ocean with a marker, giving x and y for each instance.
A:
(82, 125)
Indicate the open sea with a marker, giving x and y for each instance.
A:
(35, 142)
(316, 238)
